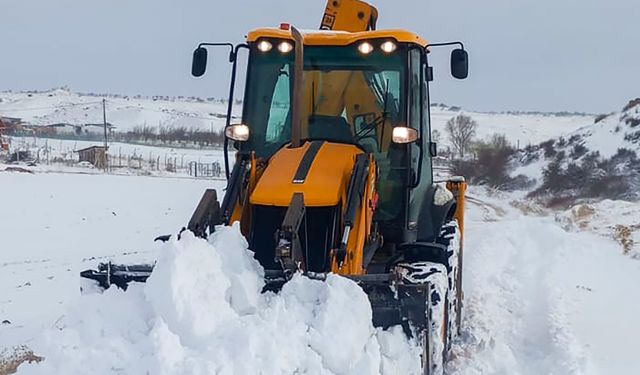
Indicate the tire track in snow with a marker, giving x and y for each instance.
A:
(514, 321)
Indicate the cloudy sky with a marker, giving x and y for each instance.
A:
(576, 55)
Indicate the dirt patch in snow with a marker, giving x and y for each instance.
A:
(624, 235)
(10, 360)
(619, 220)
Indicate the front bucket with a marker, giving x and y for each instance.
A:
(397, 304)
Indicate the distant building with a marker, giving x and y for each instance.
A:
(96, 155)
(10, 125)
(97, 129)
(64, 129)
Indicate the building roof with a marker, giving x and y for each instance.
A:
(91, 148)
(10, 119)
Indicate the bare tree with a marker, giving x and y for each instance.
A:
(461, 130)
(436, 136)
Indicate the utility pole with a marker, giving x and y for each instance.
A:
(104, 118)
(106, 137)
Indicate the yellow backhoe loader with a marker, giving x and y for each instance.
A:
(330, 170)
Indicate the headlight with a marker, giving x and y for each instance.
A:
(403, 134)
(264, 46)
(285, 47)
(388, 47)
(237, 132)
(365, 48)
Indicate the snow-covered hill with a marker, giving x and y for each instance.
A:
(125, 113)
(614, 132)
(597, 160)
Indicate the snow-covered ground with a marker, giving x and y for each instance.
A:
(539, 299)
(52, 225)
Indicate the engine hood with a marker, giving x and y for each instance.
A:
(318, 169)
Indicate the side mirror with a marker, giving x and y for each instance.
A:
(403, 134)
(459, 63)
(199, 63)
(433, 149)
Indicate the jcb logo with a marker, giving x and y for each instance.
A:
(328, 20)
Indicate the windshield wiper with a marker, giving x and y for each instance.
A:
(376, 121)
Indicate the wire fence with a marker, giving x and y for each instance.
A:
(118, 159)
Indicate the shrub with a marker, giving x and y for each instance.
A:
(632, 121)
(578, 151)
(562, 142)
(632, 103)
(600, 118)
(632, 137)
(549, 150)
(490, 165)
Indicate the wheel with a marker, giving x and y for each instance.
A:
(434, 337)
(450, 236)
(444, 300)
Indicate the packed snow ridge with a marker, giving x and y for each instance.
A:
(202, 312)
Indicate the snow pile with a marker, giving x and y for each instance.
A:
(202, 312)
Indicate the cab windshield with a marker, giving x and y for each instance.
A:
(348, 97)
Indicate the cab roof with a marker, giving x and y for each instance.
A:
(337, 38)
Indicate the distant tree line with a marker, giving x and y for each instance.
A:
(167, 135)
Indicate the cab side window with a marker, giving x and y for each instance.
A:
(280, 104)
(415, 103)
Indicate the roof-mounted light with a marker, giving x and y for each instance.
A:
(285, 47)
(264, 46)
(388, 46)
(365, 48)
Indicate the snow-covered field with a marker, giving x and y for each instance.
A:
(539, 299)
(58, 155)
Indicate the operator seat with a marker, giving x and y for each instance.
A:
(330, 128)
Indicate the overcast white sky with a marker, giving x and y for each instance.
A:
(577, 55)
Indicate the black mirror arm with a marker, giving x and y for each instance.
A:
(444, 44)
(232, 86)
(232, 51)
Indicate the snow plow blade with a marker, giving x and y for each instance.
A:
(205, 217)
(109, 274)
(397, 304)
(392, 304)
